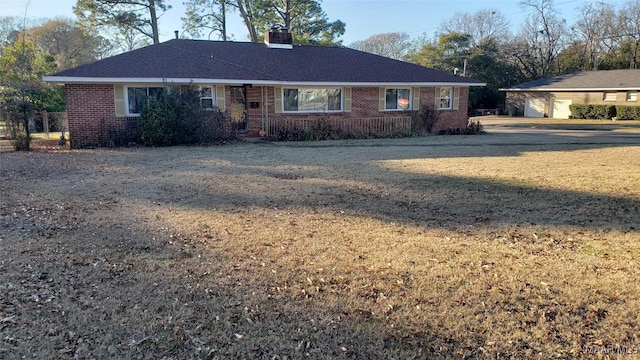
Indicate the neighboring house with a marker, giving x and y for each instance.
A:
(262, 86)
(551, 97)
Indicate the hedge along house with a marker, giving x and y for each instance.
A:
(263, 87)
(551, 97)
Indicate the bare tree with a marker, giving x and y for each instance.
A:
(540, 40)
(482, 26)
(9, 29)
(595, 23)
(393, 45)
(629, 19)
(127, 39)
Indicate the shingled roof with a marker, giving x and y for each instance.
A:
(583, 81)
(201, 61)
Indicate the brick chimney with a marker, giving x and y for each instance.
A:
(278, 37)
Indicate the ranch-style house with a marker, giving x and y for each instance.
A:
(261, 86)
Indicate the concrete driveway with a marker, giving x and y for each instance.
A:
(562, 131)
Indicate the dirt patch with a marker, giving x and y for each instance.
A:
(395, 249)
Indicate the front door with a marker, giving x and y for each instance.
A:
(238, 109)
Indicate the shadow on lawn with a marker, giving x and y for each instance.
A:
(447, 202)
(138, 276)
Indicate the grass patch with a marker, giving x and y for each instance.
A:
(270, 251)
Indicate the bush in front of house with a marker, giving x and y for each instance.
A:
(159, 121)
(423, 120)
(20, 140)
(473, 128)
(592, 111)
(625, 112)
(175, 117)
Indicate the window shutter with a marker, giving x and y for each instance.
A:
(118, 96)
(456, 98)
(220, 98)
(347, 99)
(436, 97)
(416, 99)
(277, 99)
(382, 100)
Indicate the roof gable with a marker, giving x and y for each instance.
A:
(253, 62)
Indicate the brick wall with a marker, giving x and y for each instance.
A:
(448, 119)
(92, 119)
(364, 104)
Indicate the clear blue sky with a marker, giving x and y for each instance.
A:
(363, 17)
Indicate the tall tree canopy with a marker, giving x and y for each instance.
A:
(22, 91)
(447, 52)
(68, 43)
(141, 15)
(305, 19)
(207, 15)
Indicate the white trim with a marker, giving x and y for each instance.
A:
(439, 98)
(278, 46)
(282, 89)
(126, 97)
(399, 88)
(212, 88)
(185, 81)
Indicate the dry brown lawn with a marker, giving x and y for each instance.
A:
(388, 249)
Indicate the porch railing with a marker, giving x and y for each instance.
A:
(371, 126)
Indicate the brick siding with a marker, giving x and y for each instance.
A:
(92, 118)
(364, 105)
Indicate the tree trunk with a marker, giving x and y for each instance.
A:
(154, 21)
(247, 17)
(287, 16)
(223, 9)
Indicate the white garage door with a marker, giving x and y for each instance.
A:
(534, 107)
(560, 109)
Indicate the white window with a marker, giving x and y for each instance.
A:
(398, 99)
(312, 100)
(207, 97)
(632, 96)
(137, 95)
(610, 96)
(444, 98)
